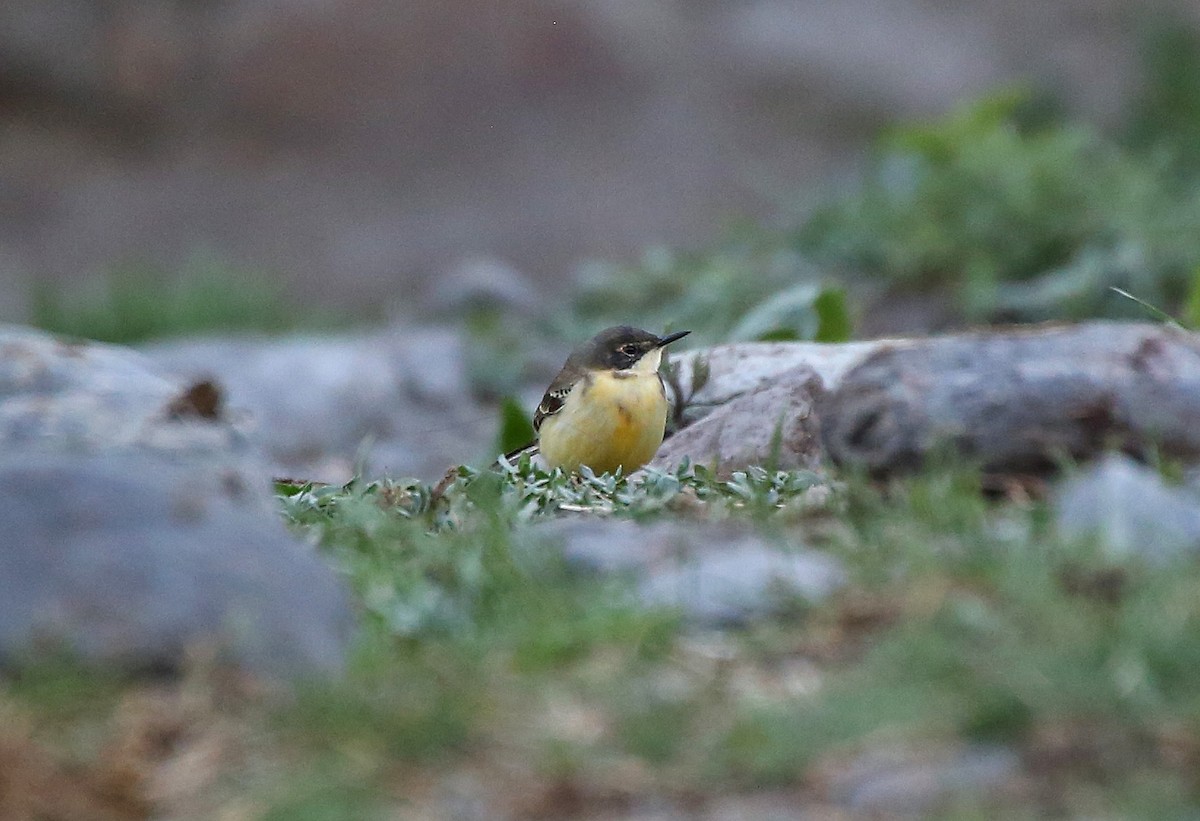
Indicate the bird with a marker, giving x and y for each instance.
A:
(607, 408)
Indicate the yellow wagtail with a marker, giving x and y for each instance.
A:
(607, 408)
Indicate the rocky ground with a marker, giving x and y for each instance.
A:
(141, 534)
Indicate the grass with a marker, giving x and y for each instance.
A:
(133, 304)
(965, 621)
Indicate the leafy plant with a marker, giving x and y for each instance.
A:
(1166, 111)
(755, 289)
(516, 428)
(1020, 221)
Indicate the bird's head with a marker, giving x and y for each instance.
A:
(623, 348)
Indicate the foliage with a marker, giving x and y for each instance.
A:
(135, 304)
(965, 621)
(1021, 221)
(520, 492)
(516, 429)
(1166, 112)
(753, 289)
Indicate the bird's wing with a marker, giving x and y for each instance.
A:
(551, 403)
(557, 393)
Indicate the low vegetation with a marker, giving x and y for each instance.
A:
(486, 659)
(133, 304)
(1018, 219)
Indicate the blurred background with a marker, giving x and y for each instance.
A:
(362, 235)
(341, 158)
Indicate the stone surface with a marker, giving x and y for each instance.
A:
(136, 558)
(1018, 399)
(902, 782)
(138, 522)
(65, 394)
(716, 575)
(770, 424)
(396, 399)
(1130, 509)
(745, 367)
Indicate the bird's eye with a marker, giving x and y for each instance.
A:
(629, 349)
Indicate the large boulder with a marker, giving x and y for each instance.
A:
(1021, 399)
(135, 559)
(138, 523)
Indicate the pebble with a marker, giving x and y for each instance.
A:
(715, 575)
(1130, 509)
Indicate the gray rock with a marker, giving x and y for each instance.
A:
(717, 575)
(64, 394)
(1130, 509)
(134, 558)
(1018, 399)
(138, 522)
(398, 398)
(743, 582)
(487, 283)
(770, 424)
(908, 783)
(745, 367)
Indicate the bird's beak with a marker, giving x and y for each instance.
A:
(669, 338)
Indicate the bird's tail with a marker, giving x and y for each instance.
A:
(531, 449)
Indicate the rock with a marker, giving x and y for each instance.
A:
(139, 523)
(1018, 399)
(744, 367)
(715, 575)
(774, 805)
(735, 397)
(134, 558)
(1130, 509)
(1013, 400)
(770, 424)
(903, 782)
(741, 582)
(87, 396)
(398, 398)
(485, 283)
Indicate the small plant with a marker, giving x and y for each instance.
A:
(751, 290)
(1166, 111)
(521, 491)
(1022, 221)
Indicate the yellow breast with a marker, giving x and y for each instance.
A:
(608, 421)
